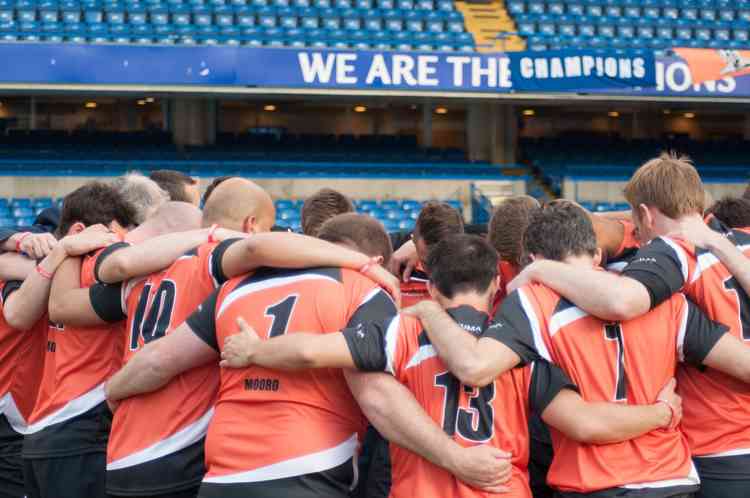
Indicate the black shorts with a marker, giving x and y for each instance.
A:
(66, 477)
(11, 464)
(716, 488)
(333, 483)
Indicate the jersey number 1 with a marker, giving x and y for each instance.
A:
(474, 424)
(613, 332)
(281, 312)
(743, 300)
(154, 324)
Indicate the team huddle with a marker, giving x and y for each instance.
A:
(149, 348)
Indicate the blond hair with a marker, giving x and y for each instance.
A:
(669, 183)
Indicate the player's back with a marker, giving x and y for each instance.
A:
(169, 422)
(625, 362)
(270, 424)
(21, 364)
(716, 414)
(496, 414)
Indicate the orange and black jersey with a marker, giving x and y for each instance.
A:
(156, 443)
(415, 290)
(716, 407)
(497, 414)
(612, 362)
(267, 424)
(70, 416)
(21, 361)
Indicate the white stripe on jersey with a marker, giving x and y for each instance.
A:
(541, 347)
(306, 464)
(690, 480)
(270, 283)
(179, 440)
(71, 409)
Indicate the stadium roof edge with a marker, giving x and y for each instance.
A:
(42, 88)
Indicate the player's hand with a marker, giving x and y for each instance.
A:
(387, 281)
(239, 348)
(38, 245)
(668, 395)
(404, 260)
(483, 467)
(695, 231)
(525, 277)
(421, 309)
(92, 238)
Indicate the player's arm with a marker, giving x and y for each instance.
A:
(478, 361)
(297, 351)
(159, 362)
(154, 254)
(709, 343)
(30, 302)
(392, 409)
(15, 266)
(698, 233)
(291, 250)
(34, 245)
(605, 423)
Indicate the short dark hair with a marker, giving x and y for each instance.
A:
(174, 183)
(734, 212)
(93, 203)
(212, 186)
(322, 206)
(507, 226)
(436, 221)
(559, 230)
(462, 263)
(359, 231)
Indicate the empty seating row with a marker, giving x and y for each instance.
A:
(438, 5)
(709, 11)
(232, 35)
(555, 42)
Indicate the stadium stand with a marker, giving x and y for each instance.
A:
(346, 24)
(635, 24)
(395, 214)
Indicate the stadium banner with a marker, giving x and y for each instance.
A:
(581, 71)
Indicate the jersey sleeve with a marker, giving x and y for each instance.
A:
(377, 306)
(105, 254)
(698, 335)
(203, 320)
(9, 288)
(213, 264)
(368, 344)
(661, 267)
(547, 380)
(106, 301)
(513, 327)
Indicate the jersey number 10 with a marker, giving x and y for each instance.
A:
(154, 324)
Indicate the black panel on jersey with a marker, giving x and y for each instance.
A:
(658, 268)
(86, 433)
(470, 319)
(724, 468)
(511, 327)
(547, 380)
(175, 472)
(366, 342)
(203, 320)
(666, 492)
(105, 254)
(217, 270)
(741, 238)
(374, 467)
(379, 308)
(106, 300)
(10, 287)
(562, 305)
(266, 273)
(331, 483)
(701, 335)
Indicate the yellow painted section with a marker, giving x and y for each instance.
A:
(488, 21)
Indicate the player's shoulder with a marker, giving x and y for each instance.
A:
(539, 294)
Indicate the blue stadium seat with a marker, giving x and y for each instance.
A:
(7, 222)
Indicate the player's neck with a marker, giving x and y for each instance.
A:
(670, 227)
(480, 302)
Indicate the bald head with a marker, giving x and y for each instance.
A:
(239, 204)
(170, 217)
